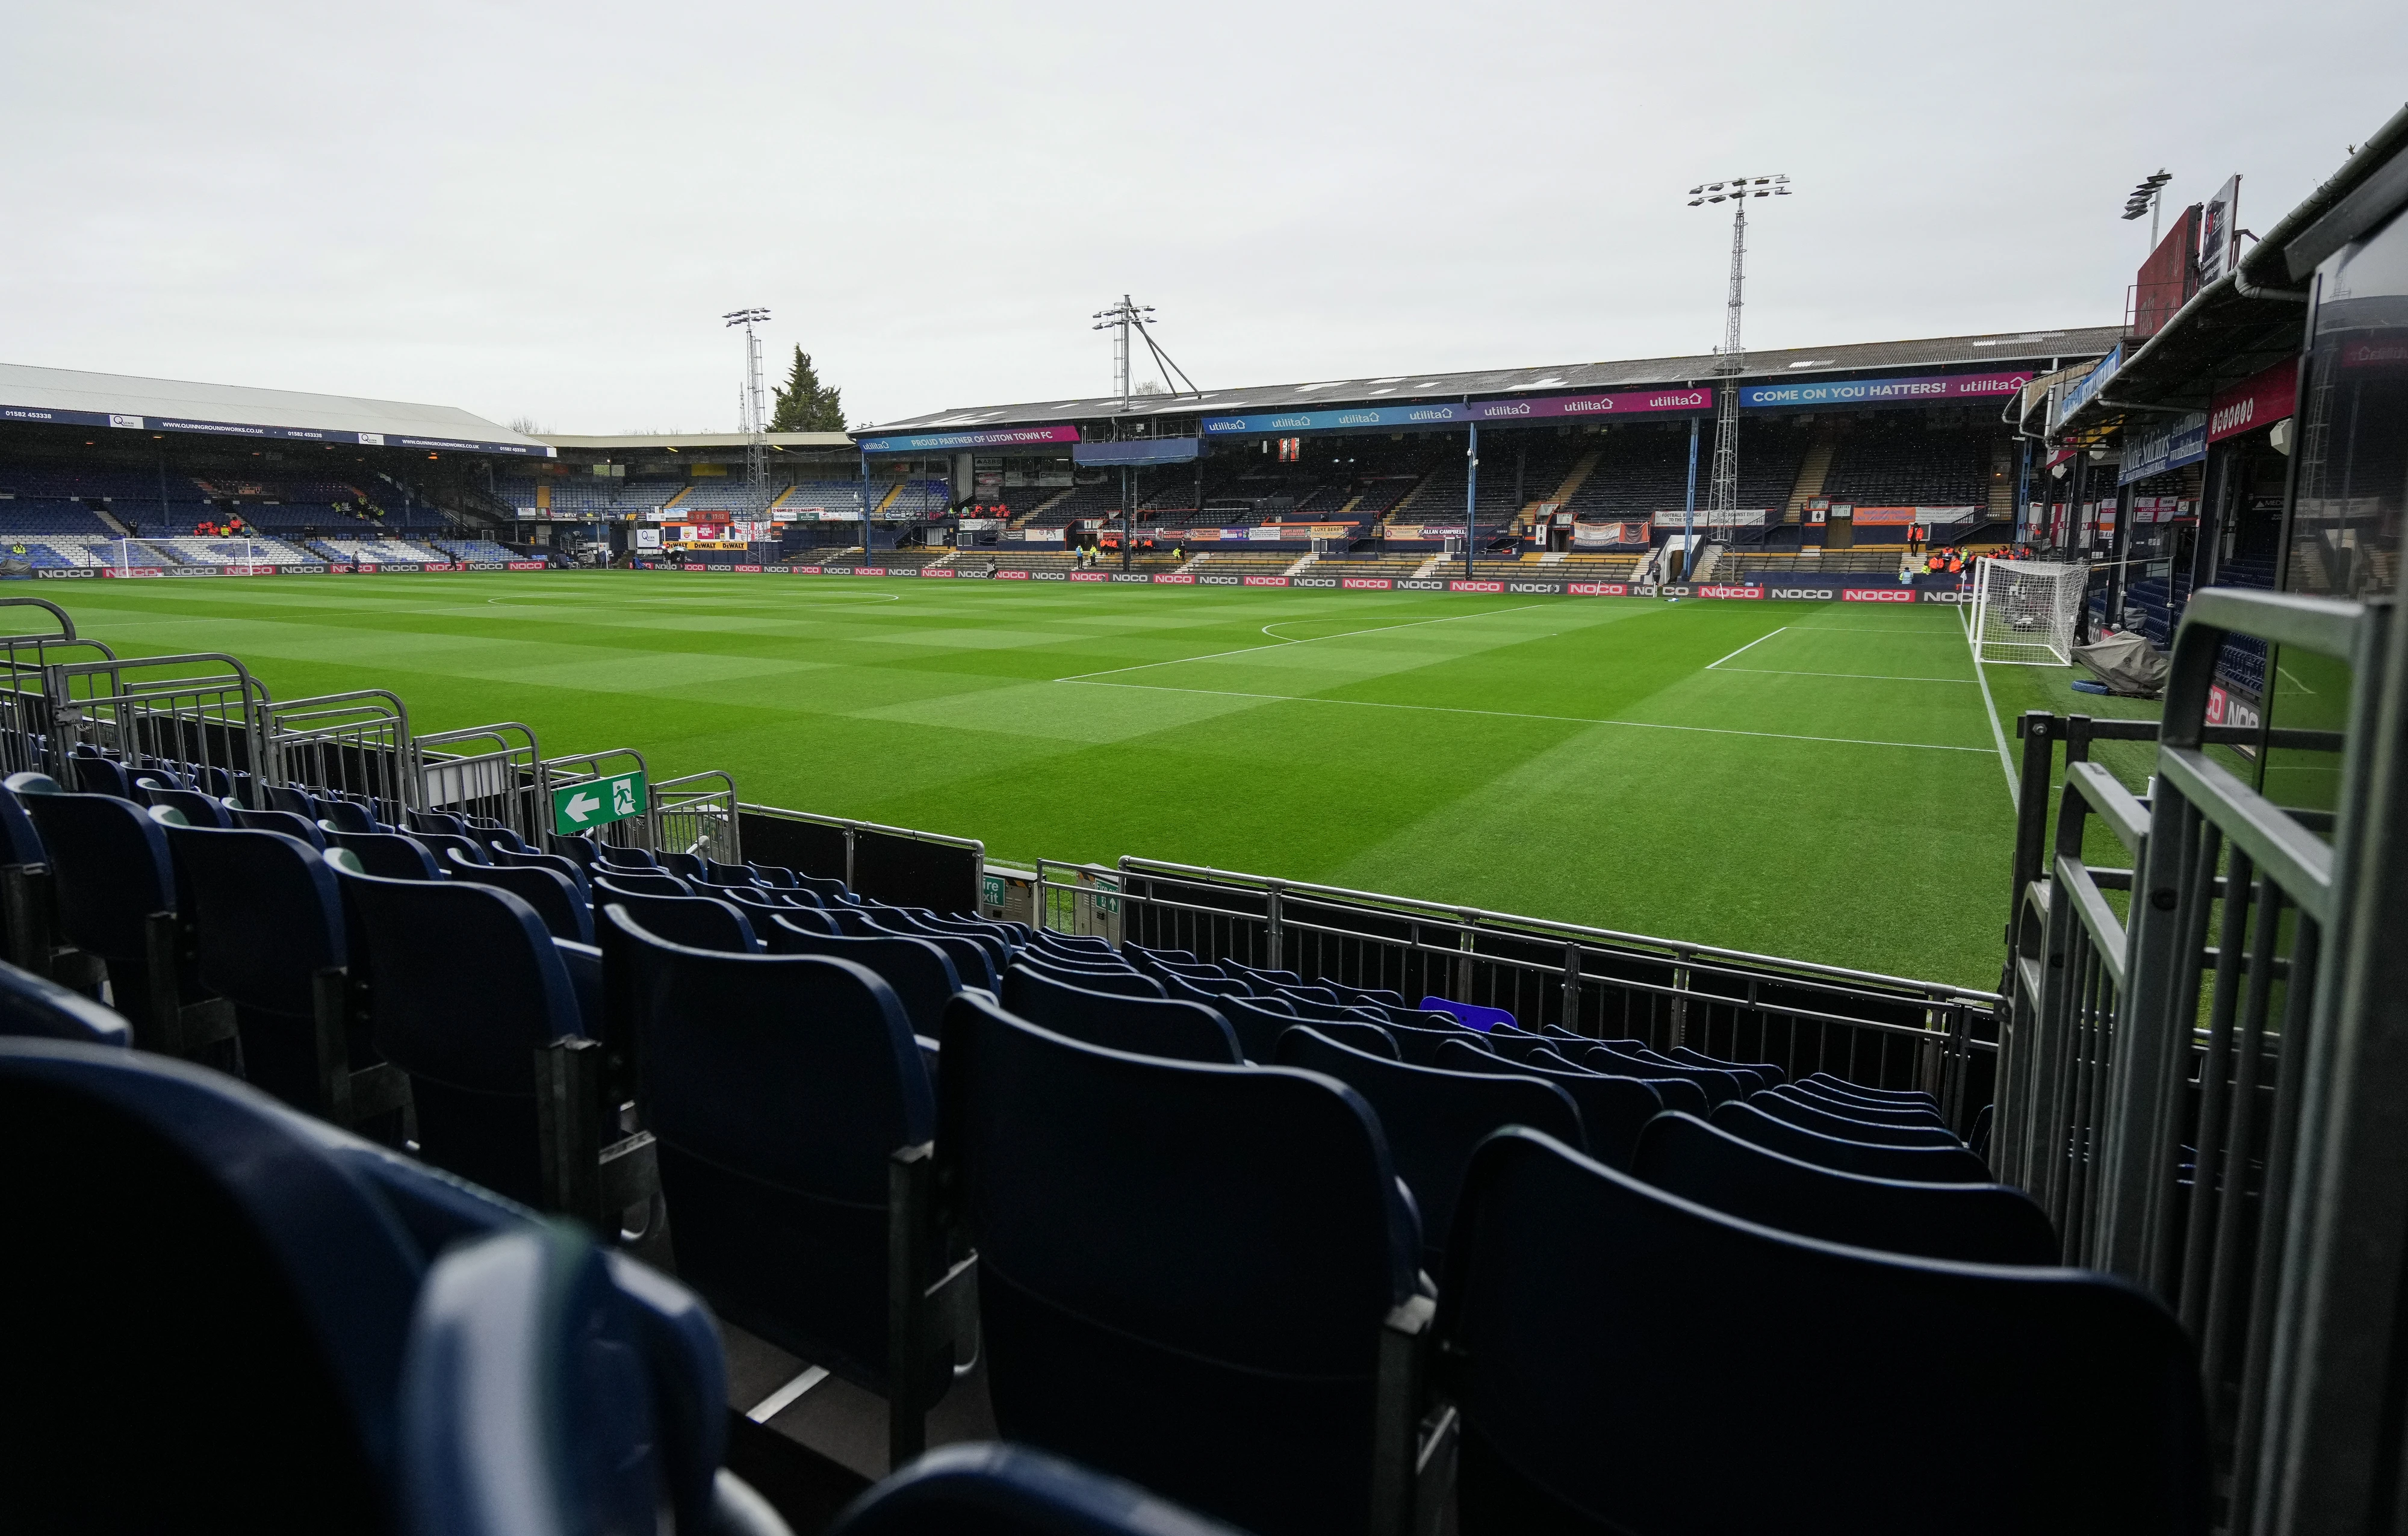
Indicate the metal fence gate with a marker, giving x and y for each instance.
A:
(490, 771)
(355, 744)
(2179, 1030)
(197, 714)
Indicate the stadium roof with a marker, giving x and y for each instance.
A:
(70, 398)
(2005, 352)
(678, 441)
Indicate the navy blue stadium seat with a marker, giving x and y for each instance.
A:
(554, 898)
(1433, 1117)
(196, 808)
(1904, 1096)
(1420, 1046)
(518, 858)
(292, 800)
(1186, 1272)
(1773, 1076)
(1979, 1224)
(438, 821)
(1857, 1109)
(775, 875)
(465, 985)
(394, 855)
(794, 1115)
(346, 815)
(297, 1254)
(801, 919)
(441, 846)
(1119, 981)
(985, 1489)
(540, 1393)
(1586, 1322)
(1614, 1110)
(921, 976)
(1674, 1093)
(1918, 1165)
(303, 829)
(40, 1008)
(115, 898)
(628, 858)
(684, 866)
(1786, 1104)
(1155, 1026)
(642, 883)
(694, 921)
(973, 961)
(96, 775)
(1720, 1087)
(1363, 1036)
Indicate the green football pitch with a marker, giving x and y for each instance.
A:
(1815, 780)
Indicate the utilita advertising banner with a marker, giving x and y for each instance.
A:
(1886, 392)
(1458, 413)
(1006, 436)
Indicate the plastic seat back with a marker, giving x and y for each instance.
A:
(465, 982)
(1257, 1022)
(1614, 1110)
(198, 809)
(292, 800)
(1979, 1224)
(970, 959)
(1120, 980)
(554, 899)
(641, 883)
(919, 975)
(20, 843)
(303, 829)
(1433, 1117)
(1153, 1026)
(780, 1086)
(438, 821)
(1772, 1075)
(1902, 1095)
(987, 1489)
(96, 775)
(346, 815)
(393, 855)
(108, 866)
(694, 921)
(567, 867)
(1183, 1268)
(36, 1008)
(1857, 1109)
(266, 918)
(1786, 1104)
(1591, 1317)
(1365, 1036)
(1916, 1165)
(1720, 1087)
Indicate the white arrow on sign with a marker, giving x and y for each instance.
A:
(579, 806)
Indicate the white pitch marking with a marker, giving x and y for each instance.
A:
(1245, 650)
(779, 1401)
(1860, 677)
(1517, 714)
(1749, 646)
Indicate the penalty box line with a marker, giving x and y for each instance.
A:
(1247, 650)
(1517, 714)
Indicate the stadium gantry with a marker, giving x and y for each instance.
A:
(457, 1138)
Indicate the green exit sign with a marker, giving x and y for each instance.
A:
(597, 802)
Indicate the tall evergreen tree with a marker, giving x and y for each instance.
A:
(804, 404)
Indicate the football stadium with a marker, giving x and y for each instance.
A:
(1788, 939)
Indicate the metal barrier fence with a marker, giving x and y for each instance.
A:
(354, 744)
(194, 711)
(2174, 1026)
(890, 863)
(557, 773)
(1881, 1031)
(24, 699)
(492, 772)
(697, 814)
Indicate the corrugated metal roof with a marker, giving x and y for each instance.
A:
(637, 442)
(1999, 351)
(72, 398)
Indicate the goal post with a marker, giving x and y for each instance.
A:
(2025, 612)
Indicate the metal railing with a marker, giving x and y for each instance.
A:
(492, 772)
(1884, 1031)
(2160, 1055)
(697, 814)
(554, 773)
(24, 699)
(197, 711)
(355, 744)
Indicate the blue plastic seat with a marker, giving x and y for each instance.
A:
(1788, 1104)
(1120, 980)
(1672, 1093)
(552, 894)
(574, 871)
(1433, 1117)
(443, 821)
(641, 882)
(1857, 1109)
(1773, 1076)
(346, 815)
(269, 935)
(297, 1254)
(1900, 1096)
(1979, 1224)
(292, 800)
(694, 921)
(684, 866)
(394, 855)
(792, 1109)
(972, 962)
(290, 823)
(1614, 1110)
(440, 845)
(630, 859)
(39, 1009)
(919, 973)
(1720, 1087)
(1153, 1026)
(1186, 1272)
(196, 808)
(1586, 1320)
(96, 775)
(985, 1489)
(1916, 1165)
(465, 985)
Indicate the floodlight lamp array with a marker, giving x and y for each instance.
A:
(1738, 188)
(2144, 196)
(746, 317)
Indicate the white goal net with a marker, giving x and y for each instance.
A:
(2025, 612)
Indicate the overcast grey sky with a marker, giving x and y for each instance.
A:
(542, 210)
